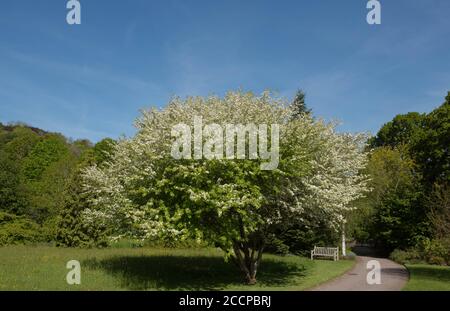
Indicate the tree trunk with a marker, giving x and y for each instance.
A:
(248, 261)
(344, 246)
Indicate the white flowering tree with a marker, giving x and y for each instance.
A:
(144, 192)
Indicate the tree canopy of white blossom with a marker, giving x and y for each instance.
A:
(144, 192)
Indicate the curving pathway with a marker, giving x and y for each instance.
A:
(393, 277)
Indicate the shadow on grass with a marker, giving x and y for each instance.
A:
(431, 272)
(189, 272)
(395, 272)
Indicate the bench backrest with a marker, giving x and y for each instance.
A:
(325, 250)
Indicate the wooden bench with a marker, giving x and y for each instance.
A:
(325, 252)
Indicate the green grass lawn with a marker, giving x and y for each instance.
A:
(44, 268)
(428, 277)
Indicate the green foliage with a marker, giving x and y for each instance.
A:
(47, 151)
(15, 145)
(300, 238)
(400, 218)
(71, 230)
(46, 195)
(9, 183)
(427, 137)
(19, 142)
(439, 215)
(276, 245)
(299, 106)
(435, 252)
(158, 243)
(402, 130)
(16, 230)
(411, 255)
(35, 169)
(410, 175)
(391, 215)
(431, 149)
(43, 175)
(103, 150)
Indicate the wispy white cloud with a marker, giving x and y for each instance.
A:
(84, 74)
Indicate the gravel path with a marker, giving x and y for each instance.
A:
(393, 277)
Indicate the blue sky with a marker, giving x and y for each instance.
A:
(90, 80)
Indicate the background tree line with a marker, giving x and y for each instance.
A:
(39, 185)
(407, 211)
